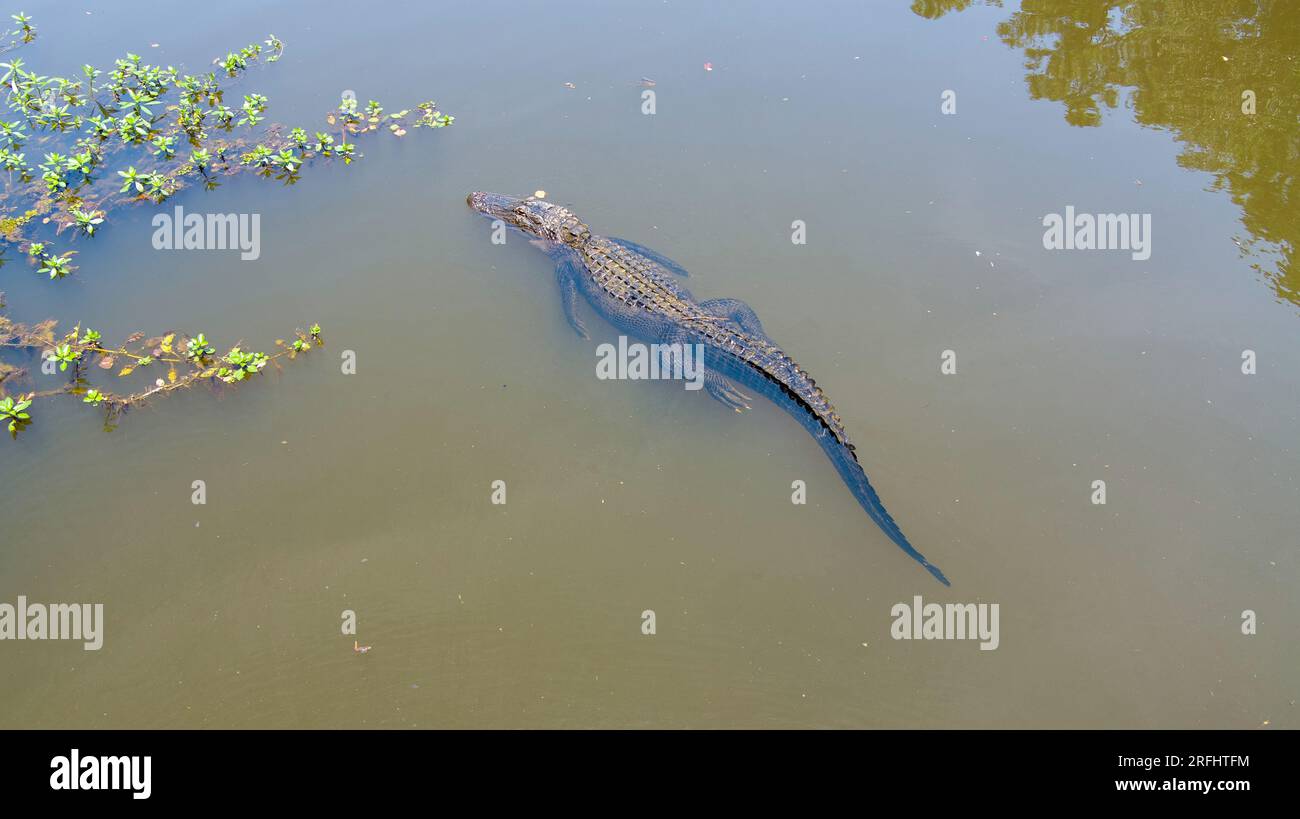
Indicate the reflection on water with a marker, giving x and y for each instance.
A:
(1222, 76)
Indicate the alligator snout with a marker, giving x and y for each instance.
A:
(491, 204)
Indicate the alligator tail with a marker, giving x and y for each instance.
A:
(846, 463)
(836, 447)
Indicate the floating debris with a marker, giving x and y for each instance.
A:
(570, 85)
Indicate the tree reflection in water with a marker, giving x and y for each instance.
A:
(1184, 66)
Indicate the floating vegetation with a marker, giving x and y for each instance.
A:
(161, 365)
(75, 149)
(141, 133)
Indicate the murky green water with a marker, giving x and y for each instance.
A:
(371, 492)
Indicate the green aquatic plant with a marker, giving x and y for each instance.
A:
(242, 364)
(259, 157)
(144, 114)
(65, 355)
(160, 187)
(87, 221)
(82, 163)
(11, 134)
(139, 134)
(133, 129)
(197, 348)
(188, 361)
(14, 411)
(253, 108)
(324, 144)
(27, 30)
(431, 117)
(287, 159)
(138, 103)
(348, 110)
(133, 180)
(11, 161)
(164, 146)
(56, 266)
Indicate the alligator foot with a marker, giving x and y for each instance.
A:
(566, 277)
(654, 256)
(739, 312)
(718, 387)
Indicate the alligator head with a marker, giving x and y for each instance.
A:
(532, 216)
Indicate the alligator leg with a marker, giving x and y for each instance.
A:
(737, 311)
(671, 353)
(720, 388)
(566, 273)
(654, 256)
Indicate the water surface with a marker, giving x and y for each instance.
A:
(370, 492)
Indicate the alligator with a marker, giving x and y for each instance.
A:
(632, 287)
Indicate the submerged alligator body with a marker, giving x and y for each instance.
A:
(633, 288)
